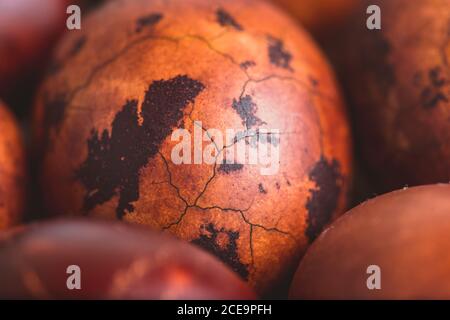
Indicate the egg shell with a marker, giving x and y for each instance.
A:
(104, 121)
(321, 17)
(398, 84)
(115, 261)
(405, 233)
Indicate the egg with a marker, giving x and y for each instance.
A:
(12, 170)
(321, 17)
(395, 246)
(398, 84)
(28, 31)
(217, 121)
(89, 259)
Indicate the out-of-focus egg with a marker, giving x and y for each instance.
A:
(28, 30)
(398, 83)
(12, 170)
(87, 259)
(395, 246)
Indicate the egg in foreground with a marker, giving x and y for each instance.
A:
(85, 259)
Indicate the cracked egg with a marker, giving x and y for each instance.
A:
(221, 75)
(109, 260)
(12, 170)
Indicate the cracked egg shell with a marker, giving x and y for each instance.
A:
(398, 82)
(12, 170)
(405, 233)
(104, 123)
(115, 260)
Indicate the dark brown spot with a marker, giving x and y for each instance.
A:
(436, 77)
(253, 137)
(208, 240)
(115, 159)
(229, 167)
(247, 64)
(54, 110)
(278, 55)
(246, 109)
(434, 93)
(323, 200)
(148, 21)
(314, 82)
(77, 46)
(261, 189)
(431, 98)
(225, 19)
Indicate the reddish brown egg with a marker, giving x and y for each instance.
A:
(320, 16)
(398, 80)
(397, 244)
(105, 121)
(109, 260)
(12, 170)
(28, 30)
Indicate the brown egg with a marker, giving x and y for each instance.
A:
(405, 233)
(28, 30)
(12, 170)
(113, 261)
(105, 122)
(398, 80)
(319, 16)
